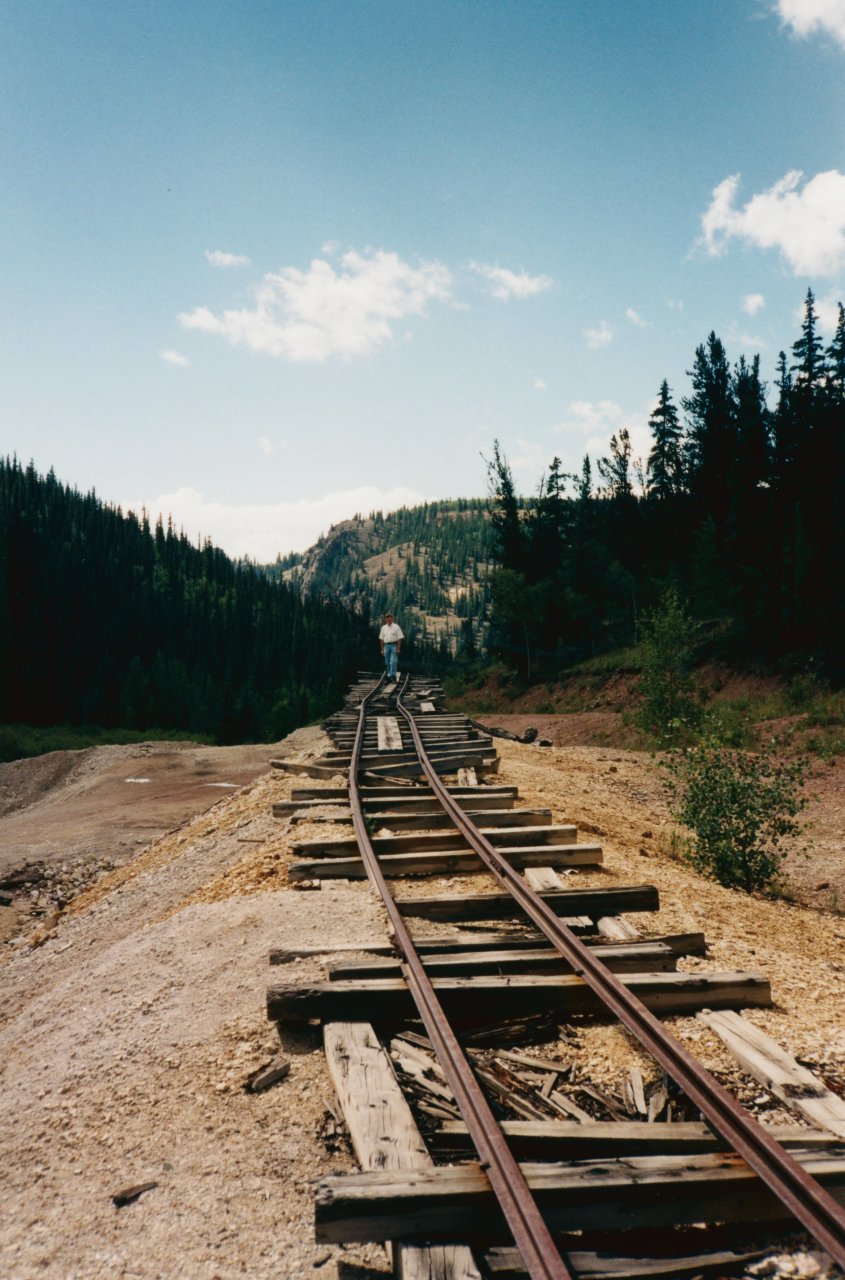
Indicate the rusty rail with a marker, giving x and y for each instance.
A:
(531, 1235)
(805, 1199)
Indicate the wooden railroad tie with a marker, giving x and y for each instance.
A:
(474, 1001)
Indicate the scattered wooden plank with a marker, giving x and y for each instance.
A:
(427, 707)
(506, 1264)
(385, 1136)
(389, 734)
(642, 1191)
(437, 842)
(616, 928)
(122, 1198)
(265, 1077)
(477, 1000)
(778, 1071)
(501, 906)
(308, 770)
(440, 764)
(543, 879)
(602, 1139)
(448, 862)
(633, 958)
(468, 777)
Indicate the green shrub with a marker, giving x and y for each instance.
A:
(670, 710)
(738, 806)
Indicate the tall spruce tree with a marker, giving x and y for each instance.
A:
(665, 461)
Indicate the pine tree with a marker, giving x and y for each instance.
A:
(665, 463)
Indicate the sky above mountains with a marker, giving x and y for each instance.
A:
(269, 264)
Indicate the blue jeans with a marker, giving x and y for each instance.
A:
(391, 658)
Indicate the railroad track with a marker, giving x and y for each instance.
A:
(527, 1185)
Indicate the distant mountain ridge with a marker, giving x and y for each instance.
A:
(428, 564)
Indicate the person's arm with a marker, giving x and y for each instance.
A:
(399, 640)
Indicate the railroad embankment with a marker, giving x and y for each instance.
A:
(134, 1018)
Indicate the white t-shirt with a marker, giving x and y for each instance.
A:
(390, 633)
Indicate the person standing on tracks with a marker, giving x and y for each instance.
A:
(390, 639)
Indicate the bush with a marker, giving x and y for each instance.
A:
(668, 646)
(738, 807)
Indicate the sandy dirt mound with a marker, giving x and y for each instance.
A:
(128, 1033)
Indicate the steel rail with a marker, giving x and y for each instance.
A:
(805, 1198)
(530, 1233)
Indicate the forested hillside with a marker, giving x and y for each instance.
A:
(740, 506)
(107, 621)
(428, 564)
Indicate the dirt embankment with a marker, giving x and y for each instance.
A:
(127, 1034)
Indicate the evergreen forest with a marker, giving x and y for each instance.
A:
(739, 508)
(109, 622)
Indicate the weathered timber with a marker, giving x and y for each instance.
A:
(308, 770)
(762, 1057)
(634, 1191)
(443, 821)
(447, 862)
(440, 764)
(617, 929)
(543, 879)
(268, 1075)
(606, 1139)
(389, 734)
(384, 1134)
(506, 1264)
(477, 1000)
(401, 807)
(636, 958)
(501, 906)
(440, 843)
(448, 747)
(465, 941)
(376, 794)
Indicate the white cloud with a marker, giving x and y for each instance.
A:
(674, 304)
(266, 446)
(594, 422)
(806, 225)
(636, 318)
(538, 384)
(314, 314)
(507, 284)
(218, 259)
(806, 17)
(529, 463)
(752, 303)
(827, 311)
(262, 530)
(175, 357)
(599, 337)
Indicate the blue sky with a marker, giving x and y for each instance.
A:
(268, 264)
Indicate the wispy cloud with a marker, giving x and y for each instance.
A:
(538, 384)
(636, 318)
(174, 357)
(752, 303)
(808, 17)
(599, 337)
(219, 259)
(506, 284)
(806, 224)
(266, 446)
(589, 424)
(314, 314)
(261, 531)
